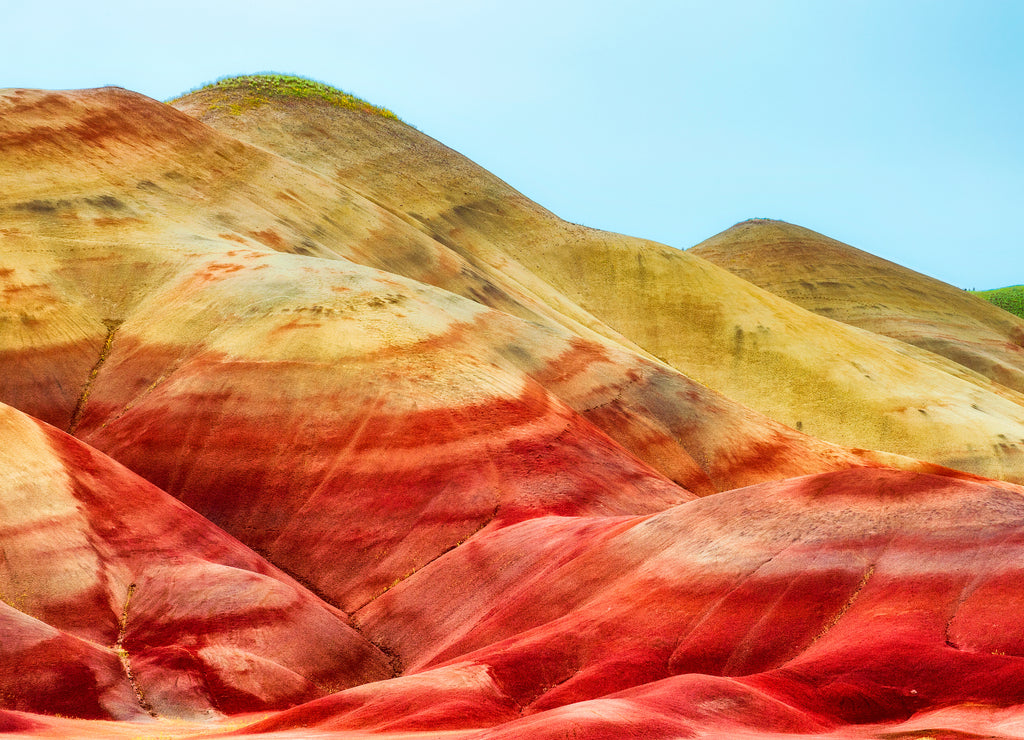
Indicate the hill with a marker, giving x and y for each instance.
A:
(118, 601)
(314, 427)
(801, 369)
(846, 284)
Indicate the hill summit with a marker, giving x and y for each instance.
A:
(250, 91)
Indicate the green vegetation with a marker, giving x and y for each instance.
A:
(1009, 299)
(246, 92)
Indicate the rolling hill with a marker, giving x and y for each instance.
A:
(310, 425)
(840, 282)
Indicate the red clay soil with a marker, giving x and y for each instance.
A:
(101, 567)
(807, 606)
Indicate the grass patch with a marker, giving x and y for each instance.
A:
(1009, 299)
(246, 92)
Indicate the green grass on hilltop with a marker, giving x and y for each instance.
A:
(1009, 299)
(246, 92)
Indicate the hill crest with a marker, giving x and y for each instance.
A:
(242, 92)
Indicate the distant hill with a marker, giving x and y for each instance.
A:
(1009, 299)
(852, 286)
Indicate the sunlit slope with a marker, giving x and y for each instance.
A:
(117, 601)
(844, 283)
(805, 370)
(112, 167)
(108, 195)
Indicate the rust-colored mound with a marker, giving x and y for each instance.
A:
(414, 417)
(826, 601)
(825, 377)
(846, 284)
(119, 600)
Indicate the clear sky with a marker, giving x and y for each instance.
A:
(894, 125)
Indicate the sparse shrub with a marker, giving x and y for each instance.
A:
(246, 92)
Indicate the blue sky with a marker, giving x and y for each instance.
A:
(896, 126)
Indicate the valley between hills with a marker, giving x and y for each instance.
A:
(311, 427)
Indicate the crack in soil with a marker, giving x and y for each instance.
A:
(122, 654)
(845, 607)
(483, 525)
(112, 326)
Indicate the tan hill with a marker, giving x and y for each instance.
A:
(844, 283)
(809, 372)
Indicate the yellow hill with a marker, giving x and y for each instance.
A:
(844, 283)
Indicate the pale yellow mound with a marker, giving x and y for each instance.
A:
(844, 283)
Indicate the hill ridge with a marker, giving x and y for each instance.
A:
(1009, 298)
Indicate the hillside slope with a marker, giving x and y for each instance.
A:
(119, 601)
(345, 385)
(844, 599)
